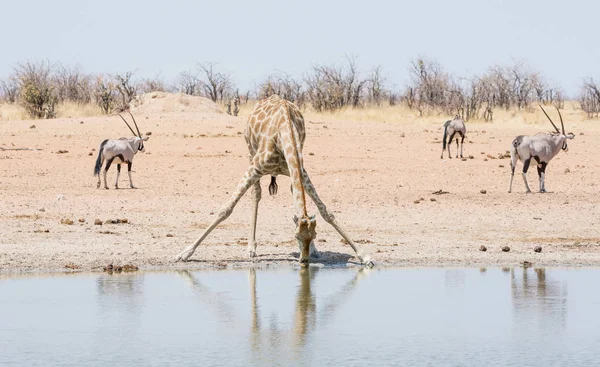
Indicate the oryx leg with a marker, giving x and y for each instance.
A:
(108, 163)
(118, 173)
(250, 178)
(462, 140)
(101, 163)
(542, 175)
(450, 144)
(457, 147)
(513, 165)
(257, 193)
(525, 168)
(330, 218)
(129, 164)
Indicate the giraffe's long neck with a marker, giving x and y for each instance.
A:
(293, 157)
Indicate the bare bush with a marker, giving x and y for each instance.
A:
(513, 86)
(189, 83)
(9, 90)
(217, 86)
(105, 93)
(376, 87)
(283, 85)
(71, 84)
(37, 94)
(589, 98)
(126, 88)
(156, 84)
(332, 87)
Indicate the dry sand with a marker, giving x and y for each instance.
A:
(368, 173)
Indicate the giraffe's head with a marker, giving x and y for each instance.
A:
(305, 233)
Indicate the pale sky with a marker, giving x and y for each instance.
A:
(250, 39)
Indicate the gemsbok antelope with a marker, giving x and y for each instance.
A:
(542, 147)
(452, 127)
(119, 151)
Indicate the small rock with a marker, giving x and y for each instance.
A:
(130, 267)
(60, 197)
(463, 159)
(90, 153)
(62, 151)
(32, 127)
(149, 133)
(81, 220)
(567, 170)
(402, 135)
(482, 248)
(417, 201)
(433, 199)
(169, 235)
(483, 191)
(321, 240)
(505, 249)
(124, 220)
(485, 159)
(81, 122)
(66, 221)
(580, 133)
(42, 210)
(537, 249)
(97, 222)
(527, 264)
(501, 165)
(311, 153)
(471, 157)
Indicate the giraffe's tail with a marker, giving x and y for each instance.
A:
(273, 186)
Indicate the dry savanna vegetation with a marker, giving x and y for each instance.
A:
(373, 153)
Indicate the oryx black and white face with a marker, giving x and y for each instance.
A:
(139, 143)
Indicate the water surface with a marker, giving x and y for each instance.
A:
(289, 317)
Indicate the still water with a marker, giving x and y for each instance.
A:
(316, 317)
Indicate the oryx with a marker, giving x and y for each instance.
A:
(452, 127)
(119, 151)
(542, 147)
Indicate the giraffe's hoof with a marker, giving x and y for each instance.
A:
(368, 262)
(184, 255)
(304, 263)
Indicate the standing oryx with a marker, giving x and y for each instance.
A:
(451, 127)
(120, 151)
(542, 147)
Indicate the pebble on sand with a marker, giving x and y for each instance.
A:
(505, 249)
(537, 249)
(482, 248)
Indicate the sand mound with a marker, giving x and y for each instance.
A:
(163, 102)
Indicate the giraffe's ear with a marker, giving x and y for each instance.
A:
(296, 219)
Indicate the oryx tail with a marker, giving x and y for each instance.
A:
(99, 159)
(445, 134)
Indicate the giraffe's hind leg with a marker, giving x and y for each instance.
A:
(257, 193)
(251, 176)
(329, 218)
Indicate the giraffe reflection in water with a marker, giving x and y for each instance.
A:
(268, 341)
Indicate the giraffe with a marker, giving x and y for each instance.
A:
(275, 136)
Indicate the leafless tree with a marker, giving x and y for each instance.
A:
(376, 86)
(126, 89)
(189, 83)
(9, 89)
(331, 87)
(589, 98)
(72, 84)
(217, 86)
(105, 93)
(284, 86)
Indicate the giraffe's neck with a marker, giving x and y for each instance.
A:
(293, 157)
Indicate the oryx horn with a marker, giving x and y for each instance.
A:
(125, 121)
(558, 131)
(136, 127)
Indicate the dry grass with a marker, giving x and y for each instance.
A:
(572, 114)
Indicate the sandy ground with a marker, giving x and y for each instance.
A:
(369, 174)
